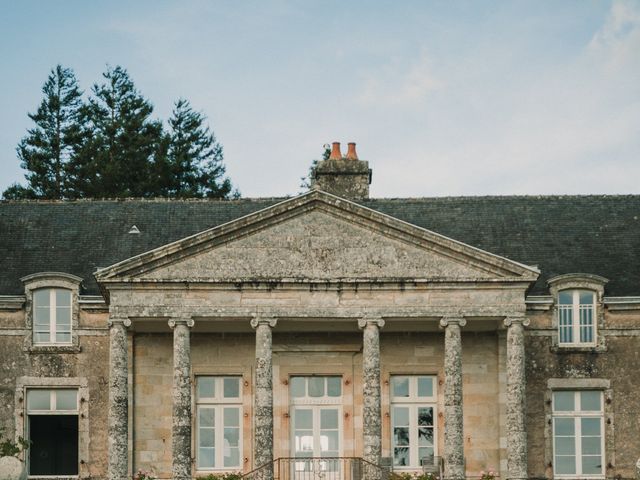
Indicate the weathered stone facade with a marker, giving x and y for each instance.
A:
(318, 287)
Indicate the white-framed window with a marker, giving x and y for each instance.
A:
(52, 316)
(316, 426)
(52, 429)
(413, 420)
(576, 317)
(578, 440)
(218, 422)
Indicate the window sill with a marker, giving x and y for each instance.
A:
(578, 349)
(53, 349)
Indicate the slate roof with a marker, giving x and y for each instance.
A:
(559, 234)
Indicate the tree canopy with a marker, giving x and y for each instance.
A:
(109, 145)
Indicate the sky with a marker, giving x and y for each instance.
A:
(443, 98)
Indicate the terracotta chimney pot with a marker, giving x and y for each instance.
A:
(336, 154)
(351, 153)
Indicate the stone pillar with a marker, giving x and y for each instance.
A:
(181, 427)
(118, 419)
(371, 410)
(263, 402)
(453, 420)
(516, 412)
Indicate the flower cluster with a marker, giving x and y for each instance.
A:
(145, 475)
(222, 476)
(488, 475)
(415, 476)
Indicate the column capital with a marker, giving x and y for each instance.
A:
(524, 321)
(263, 320)
(446, 321)
(370, 320)
(188, 321)
(124, 321)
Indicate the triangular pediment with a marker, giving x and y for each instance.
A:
(316, 237)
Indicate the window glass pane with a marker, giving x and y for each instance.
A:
(207, 437)
(590, 401)
(66, 399)
(329, 418)
(334, 386)
(425, 437)
(63, 337)
(565, 465)
(590, 426)
(207, 417)
(425, 386)
(426, 455)
(41, 316)
(63, 298)
(63, 316)
(329, 441)
(564, 426)
(586, 298)
(39, 399)
(401, 457)
(401, 436)
(41, 337)
(206, 457)
(592, 465)
(303, 418)
(565, 297)
(297, 387)
(565, 446)
(591, 445)
(401, 416)
(231, 437)
(231, 457)
(206, 387)
(563, 401)
(425, 416)
(41, 298)
(232, 417)
(400, 386)
(231, 387)
(304, 440)
(316, 386)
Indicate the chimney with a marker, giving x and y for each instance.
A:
(346, 177)
(351, 152)
(336, 154)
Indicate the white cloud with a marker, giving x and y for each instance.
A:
(401, 85)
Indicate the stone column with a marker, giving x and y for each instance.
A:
(453, 420)
(181, 427)
(263, 402)
(371, 411)
(118, 420)
(516, 413)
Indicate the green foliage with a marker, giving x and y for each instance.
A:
(121, 144)
(145, 475)
(45, 152)
(9, 448)
(488, 475)
(111, 146)
(305, 182)
(414, 476)
(195, 158)
(222, 476)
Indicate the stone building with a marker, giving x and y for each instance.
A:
(192, 337)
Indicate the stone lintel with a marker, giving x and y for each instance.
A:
(578, 383)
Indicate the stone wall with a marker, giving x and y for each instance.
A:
(91, 364)
(620, 365)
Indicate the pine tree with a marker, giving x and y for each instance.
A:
(48, 148)
(194, 157)
(122, 149)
